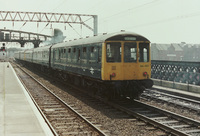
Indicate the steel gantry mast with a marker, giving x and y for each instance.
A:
(50, 18)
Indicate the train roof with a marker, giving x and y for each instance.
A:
(102, 38)
(41, 48)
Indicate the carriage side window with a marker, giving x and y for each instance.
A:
(130, 52)
(92, 53)
(69, 50)
(59, 54)
(63, 53)
(79, 55)
(69, 54)
(39, 55)
(113, 52)
(74, 55)
(43, 54)
(99, 54)
(84, 55)
(144, 52)
(47, 55)
(74, 50)
(54, 54)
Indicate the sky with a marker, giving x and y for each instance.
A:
(161, 21)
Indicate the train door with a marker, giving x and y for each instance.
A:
(144, 62)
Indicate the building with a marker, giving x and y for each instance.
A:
(166, 52)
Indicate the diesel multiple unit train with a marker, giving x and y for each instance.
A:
(116, 64)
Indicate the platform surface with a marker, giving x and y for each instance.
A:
(17, 117)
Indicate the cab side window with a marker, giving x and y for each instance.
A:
(144, 52)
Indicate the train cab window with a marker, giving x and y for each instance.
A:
(113, 52)
(144, 52)
(130, 52)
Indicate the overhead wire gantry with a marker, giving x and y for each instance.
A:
(82, 19)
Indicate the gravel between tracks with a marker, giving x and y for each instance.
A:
(176, 109)
(108, 119)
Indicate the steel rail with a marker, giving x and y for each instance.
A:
(171, 114)
(149, 120)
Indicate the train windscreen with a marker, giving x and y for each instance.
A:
(130, 52)
(113, 52)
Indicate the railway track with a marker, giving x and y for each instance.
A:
(169, 122)
(183, 102)
(62, 118)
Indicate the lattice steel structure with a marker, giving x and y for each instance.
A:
(177, 71)
(49, 18)
(22, 37)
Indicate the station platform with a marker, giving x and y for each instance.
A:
(18, 114)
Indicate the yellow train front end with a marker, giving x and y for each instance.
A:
(127, 65)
